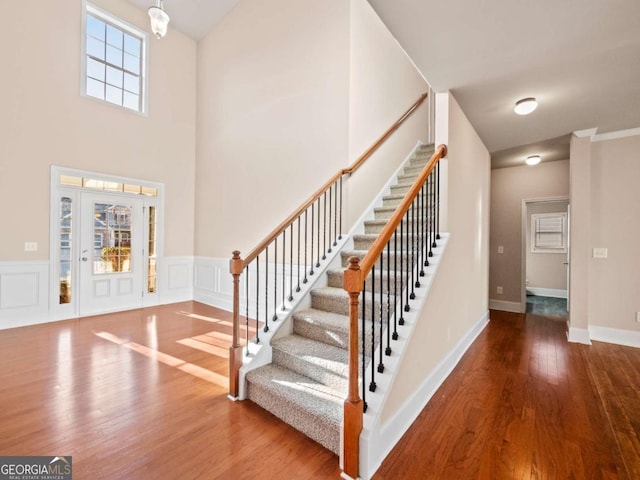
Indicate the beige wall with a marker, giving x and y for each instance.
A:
(545, 270)
(45, 121)
(273, 116)
(383, 84)
(458, 299)
(614, 288)
(509, 186)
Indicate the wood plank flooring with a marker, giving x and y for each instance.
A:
(525, 404)
(142, 395)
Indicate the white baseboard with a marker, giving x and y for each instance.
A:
(547, 292)
(578, 335)
(514, 307)
(391, 432)
(628, 338)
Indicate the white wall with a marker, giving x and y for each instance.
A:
(273, 117)
(458, 297)
(614, 282)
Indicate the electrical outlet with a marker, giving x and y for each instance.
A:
(30, 246)
(500, 249)
(499, 290)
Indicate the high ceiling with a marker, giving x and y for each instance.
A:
(579, 58)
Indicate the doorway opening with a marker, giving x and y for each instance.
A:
(105, 241)
(545, 256)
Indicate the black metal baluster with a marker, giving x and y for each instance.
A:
(330, 212)
(257, 298)
(306, 229)
(284, 267)
(430, 215)
(410, 244)
(324, 225)
(388, 350)
(401, 291)
(433, 214)
(416, 241)
(319, 234)
(335, 215)
(246, 314)
(438, 200)
(291, 262)
(266, 291)
(395, 284)
(363, 356)
(340, 233)
(313, 206)
(372, 384)
(275, 280)
(406, 285)
(381, 364)
(298, 286)
(424, 225)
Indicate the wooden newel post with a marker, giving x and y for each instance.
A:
(353, 406)
(235, 351)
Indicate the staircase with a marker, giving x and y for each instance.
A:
(306, 383)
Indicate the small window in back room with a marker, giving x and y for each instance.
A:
(114, 60)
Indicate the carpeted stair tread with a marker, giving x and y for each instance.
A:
(309, 406)
(317, 360)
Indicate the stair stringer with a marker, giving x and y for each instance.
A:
(262, 354)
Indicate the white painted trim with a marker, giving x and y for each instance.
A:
(24, 293)
(175, 281)
(547, 292)
(376, 445)
(628, 338)
(514, 307)
(212, 282)
(601, 137)
(578, 335)
(589, 132)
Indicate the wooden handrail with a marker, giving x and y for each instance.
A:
(378, 246)
(353, 280)
(345, 171)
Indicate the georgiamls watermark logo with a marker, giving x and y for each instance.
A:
(35, 468)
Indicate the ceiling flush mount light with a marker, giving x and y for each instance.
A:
(525, 106)
(533, 160)
(159, 19)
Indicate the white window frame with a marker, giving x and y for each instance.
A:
(88, 8)
(551, 224)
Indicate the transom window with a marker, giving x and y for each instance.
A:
(114, 60)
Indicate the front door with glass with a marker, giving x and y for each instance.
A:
(111, 253)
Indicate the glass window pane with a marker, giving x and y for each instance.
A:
(95, 88)
(113, 186)
(114, 77)
(95, 69)
(95, 48)
(65, 250)
(131, 101)
(114, 56)
(132, 45)
(150, 191)
(113, 95)
(132, 64)
(70, 180)
(114, 37)
(95, 28)
(112, 230)
(131, 188)
(132, 83)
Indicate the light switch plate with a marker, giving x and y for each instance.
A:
(600, 253)
(500, 249)
(30, 246)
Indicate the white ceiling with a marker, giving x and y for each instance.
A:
(579, 58)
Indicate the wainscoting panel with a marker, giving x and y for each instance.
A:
(176, 279)
(213, 283)
(24, 290)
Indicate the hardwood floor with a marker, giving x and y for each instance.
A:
(525, 404)
(142, 395)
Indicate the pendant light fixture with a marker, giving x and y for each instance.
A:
(159, 19)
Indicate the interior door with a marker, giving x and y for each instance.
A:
(111, 253)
